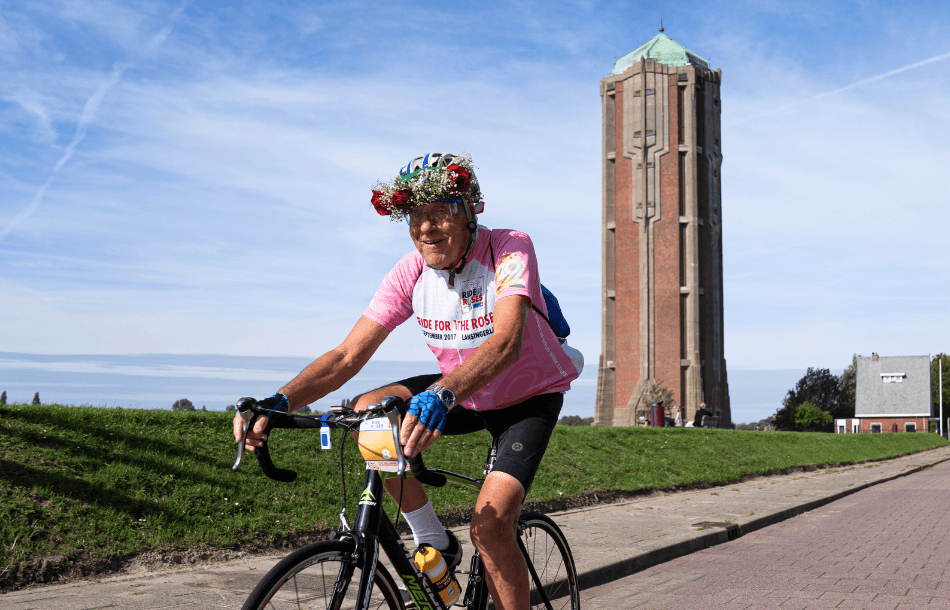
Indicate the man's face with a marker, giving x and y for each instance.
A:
(440, 236)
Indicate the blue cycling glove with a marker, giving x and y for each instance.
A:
(277, 402)
(429, 409)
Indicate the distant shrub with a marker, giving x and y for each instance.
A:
(3, 398)
(183, 405)
(808, 415)
(231, 409)
(36, 398)
(575, 420)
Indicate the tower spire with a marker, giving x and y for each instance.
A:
(661, 24)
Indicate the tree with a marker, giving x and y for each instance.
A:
(818, 387)
(658, 393)
(305, 410)
(848, 385)
(940, 361)
(183, 405)
(36, 398)
(808, 416)
(575, 420)
(3, 398)
(230, 409)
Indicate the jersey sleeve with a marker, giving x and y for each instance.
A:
(392, 303)
(516, 267)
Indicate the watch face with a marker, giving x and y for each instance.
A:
(446, 395)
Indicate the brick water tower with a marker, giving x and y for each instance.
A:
(662, 315)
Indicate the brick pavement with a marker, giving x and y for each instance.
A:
(885, 547)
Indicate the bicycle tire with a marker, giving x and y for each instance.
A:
(305, 579)
(549, 553)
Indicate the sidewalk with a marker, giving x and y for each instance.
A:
(609, 542)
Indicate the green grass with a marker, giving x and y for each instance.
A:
(80, 483)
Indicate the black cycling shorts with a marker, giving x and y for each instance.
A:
(522, 431)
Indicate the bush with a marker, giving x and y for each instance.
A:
(183, 405)
(575, 420)
(36, 398)
(808, 416)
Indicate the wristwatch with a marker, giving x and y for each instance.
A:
(446, 395)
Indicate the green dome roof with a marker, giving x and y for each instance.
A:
(664, 50)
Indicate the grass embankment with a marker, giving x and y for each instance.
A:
(83, 485)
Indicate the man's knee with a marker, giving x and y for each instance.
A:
(361, 401)
(488, 529)
(497, 510)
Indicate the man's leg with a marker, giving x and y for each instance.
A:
(522, 433)
(493, 533)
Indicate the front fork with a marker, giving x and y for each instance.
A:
(365, 544)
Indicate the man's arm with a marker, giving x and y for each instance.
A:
(489, 360)
(325, 374)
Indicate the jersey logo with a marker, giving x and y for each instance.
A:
(510, 272)
(473, 294)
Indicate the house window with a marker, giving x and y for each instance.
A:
(910, 427)
(875, 428)
(893, 377)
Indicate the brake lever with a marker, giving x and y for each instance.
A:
(244, 409)
(389, 403)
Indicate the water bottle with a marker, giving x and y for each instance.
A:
(430, 562)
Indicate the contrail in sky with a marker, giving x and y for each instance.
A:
(845, 88)
(88, 114)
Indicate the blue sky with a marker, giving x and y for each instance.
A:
(194, 178)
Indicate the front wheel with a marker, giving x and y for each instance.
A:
(311, 576)
(553, 565)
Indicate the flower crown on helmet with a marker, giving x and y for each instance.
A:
(434, 177)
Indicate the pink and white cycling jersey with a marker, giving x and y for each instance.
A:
(456, 321)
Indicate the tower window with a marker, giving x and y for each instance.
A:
(649, 91)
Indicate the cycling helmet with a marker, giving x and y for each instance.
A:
(432, 177)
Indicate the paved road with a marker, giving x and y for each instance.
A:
(614, 541)
(883, 548)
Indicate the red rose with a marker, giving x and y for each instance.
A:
(461, 177)
(401, 200)
(380, 203)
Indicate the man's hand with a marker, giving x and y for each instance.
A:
(423, 423)
(256, 436)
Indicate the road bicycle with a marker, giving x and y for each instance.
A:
(345, 573)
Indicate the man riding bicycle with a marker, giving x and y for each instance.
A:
(476, 296)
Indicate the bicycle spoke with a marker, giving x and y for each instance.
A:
(551, 571)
